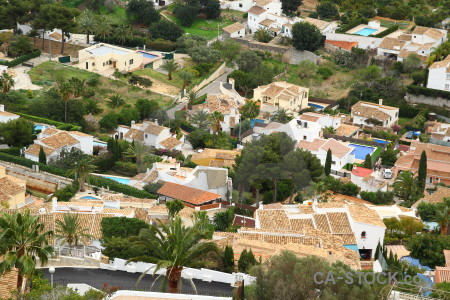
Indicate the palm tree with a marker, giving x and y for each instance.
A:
(443, 219)
(200, 119)
(66, 92)
(405, 186)
(6, 82)
(78, 86)
(102, 27)
(329, 130)
(70, 230)
(137, 150)
(186, 76)
(81, 170)
(170, 66)
(250, 110)
(115, 101)
(281, 116)
(191, 96)
(173, 247)
(23, 239)
(215, 118)
(123, 32)
(86, 23)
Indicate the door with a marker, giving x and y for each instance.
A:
(114, 64)
(87, 65)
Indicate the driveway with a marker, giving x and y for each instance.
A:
(22, 81)
(213, 87)
(97, 278)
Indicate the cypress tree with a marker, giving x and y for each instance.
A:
(422, 174)
(242, 262)
(368, 162)
(42, 156)
(328, 162)
(377, 251)
(228, 260)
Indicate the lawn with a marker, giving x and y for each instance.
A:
(232, 12)
(402, 121)
(206, 28)
(176, 81)
(48, 72)
(116, 15)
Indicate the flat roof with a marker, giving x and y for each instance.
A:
(102, 50)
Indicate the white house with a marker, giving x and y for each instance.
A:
(268, 15)
(235, 30)
(149, 133)
(341, 154)
(439, 133)
(439, 75)
(53, 141)
(6, 116)
(224, 104)
(367, 180)
(281, 94)
(239, 5)
(365, 113)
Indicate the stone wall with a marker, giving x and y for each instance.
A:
(435, 101)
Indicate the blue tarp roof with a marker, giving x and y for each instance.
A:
(414, 262)
(352, 247)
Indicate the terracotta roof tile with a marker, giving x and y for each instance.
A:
(8, 283)
(321, 24)
(36, 148)
(170, 143)
(346, 130)
(134, 134)
(217, 102)
(150, 127)
(392, 44)
(233, 27)
(187, 194)
(79, 133)
(59, 140)
(431, 32)
(342, 44)
(256, 10)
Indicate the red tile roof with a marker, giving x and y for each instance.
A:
(187, 194)
(342, 44)
(363, 172)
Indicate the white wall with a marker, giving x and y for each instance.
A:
(240, 5)
(364, 42)
(339, 163)
(373, 235)
(122, 294)
(437, 79)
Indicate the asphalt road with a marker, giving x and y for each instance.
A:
(98, 277)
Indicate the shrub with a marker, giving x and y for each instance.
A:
(121, 227)
(325, 72)
(378, 197)
(11, 151)
(419, 90)
(125, 168)
(131, 41)
(66, 193)
(59, 125)
(161, 45)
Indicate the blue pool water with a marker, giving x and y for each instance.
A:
(315, 105)
(100, 144)
(89, 198)
(361, 151)
(366, 31)
(257, 121)
(148, 55)
(39, 127)
(384, 142)
(118, 179)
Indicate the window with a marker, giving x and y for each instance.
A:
(448, 76)
(304, 137)
(305, 125)
(415, 36)
(146, 135)
(396, 114)
(131, 61)
(447, 87)
(103, 64)
(240, 4)
(363, 235)
(333, 162)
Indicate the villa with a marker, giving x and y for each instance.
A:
(190, 196)
(371, 114)
(439, 133)
(439, 75)
(149, 133)
(281, 94)
(267, 14)
(367, 180)
(6, 116)
(372, 28)
(12, 192)
(53, 141)
(235, 30)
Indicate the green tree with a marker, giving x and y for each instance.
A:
(250, 110)
(137, 151)
(6, 83)
(228, 259)
(223, 220)
(263, 35)
(70, 230)
(328, 162)
(422, 173)
(216, 118)
(103, 27)
(306, 36)
(186, 14)
(122, 227)
(290, 7)
(23, 239)
(212, 9)
(174, 207)
(42, 156)
(20, 45)
(329, 130)
(174, 247)
(122, 33)
(82, 171)
(389, 157)
(146, 107)
(405, 186)
(429, 248)
(443, 219)
(412, 63)
(246, 261)
(186, 76)
(142, 11)
(327, 10)
(191, 97)
(17, 133)
(165, 29)
(229, 49)
(170, 66)
(281, 116)
(205, 55)
(249, 61)
(86, 23)
(63, 18)
(200, 119)
(115, 101)
(367, 162)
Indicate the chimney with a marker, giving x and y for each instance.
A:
(231, 81)
(133, 122)
(2, 107)
(380, 101)
(54, 203)
(156, 122)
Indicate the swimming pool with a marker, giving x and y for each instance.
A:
(366, 31)
(118, 179)
(257, 121)
(100, 144)
(39, 127)
(148, 55)
(89, 198)
(361, 151)
(384, 142)
(316, 106)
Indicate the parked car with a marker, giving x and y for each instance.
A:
(387, 174)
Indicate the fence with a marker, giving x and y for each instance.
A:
(202, 295)
(78, 251)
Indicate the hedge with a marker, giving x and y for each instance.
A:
(386, 32)
(20, 59)
(11, 150)
(420, 90)
(59, 125)
(131, 41)
(94, 180)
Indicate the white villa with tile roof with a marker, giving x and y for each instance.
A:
(439, 75)
(235, 30)
(6, 116)
(268, 14)
(362, 112)
(150, 133)
(281, 94)
(53, 140)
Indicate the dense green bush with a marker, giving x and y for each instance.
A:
(161, 45)
(66, 193)
(11, 151)
(420, 90)
(378, 197)
(20, 59)
(59, 125)
(125, 168)
(387, 31)
(121, 227)
(131, 41)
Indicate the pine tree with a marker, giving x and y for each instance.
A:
(328, 162)
(242, 262)
(42, 156)
(368, 162)
(228, 260)
(422, 174)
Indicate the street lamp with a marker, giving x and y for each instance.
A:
(51, 270)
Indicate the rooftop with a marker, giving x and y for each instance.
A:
(342, 44)
(233, 27)
(103, 49)
(187, 194)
